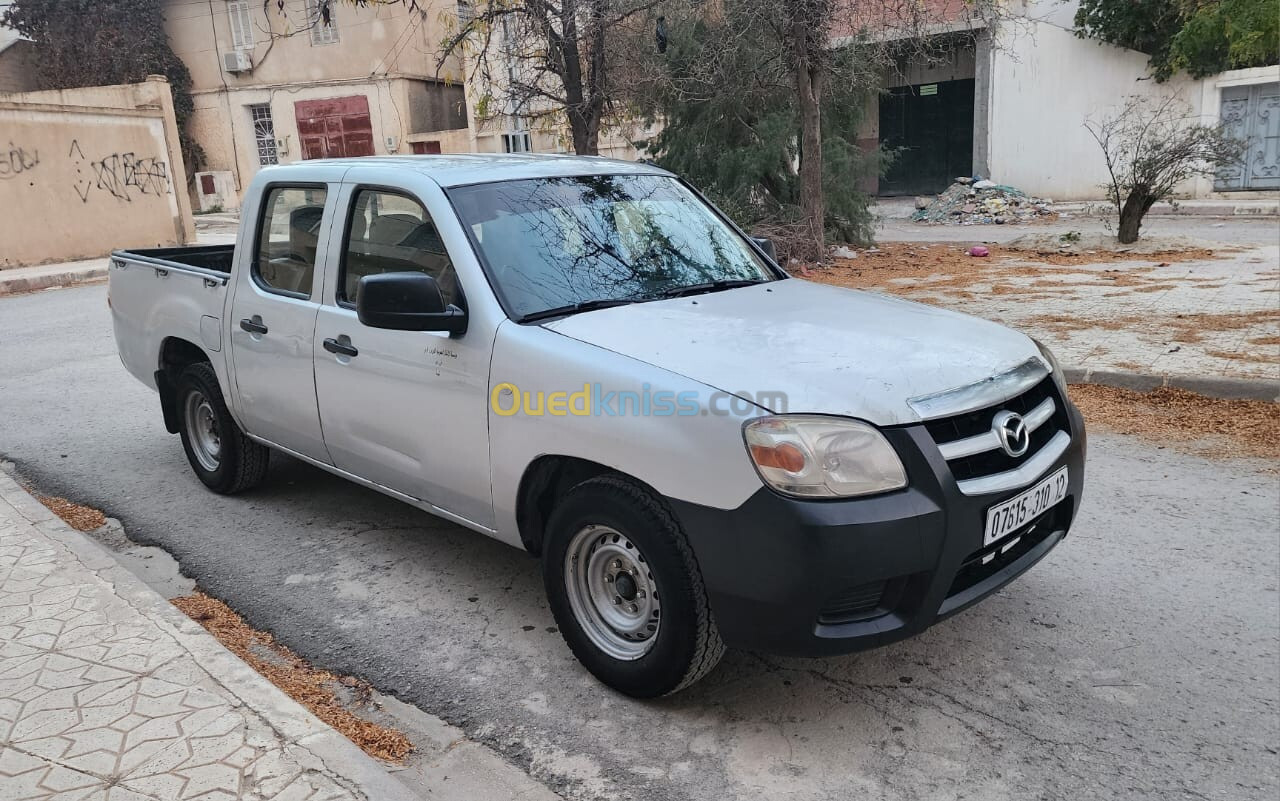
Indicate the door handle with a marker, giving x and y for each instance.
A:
(253, 326)
(340, 348)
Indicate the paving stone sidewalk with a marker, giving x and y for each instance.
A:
(108, 692)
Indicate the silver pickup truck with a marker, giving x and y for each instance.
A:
(586, 360)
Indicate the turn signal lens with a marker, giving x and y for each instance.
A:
(817, 456)
(783, 457)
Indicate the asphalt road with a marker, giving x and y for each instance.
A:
(1140, 660)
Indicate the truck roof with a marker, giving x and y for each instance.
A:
(474, 168)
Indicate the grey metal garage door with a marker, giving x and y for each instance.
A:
(1252, 114)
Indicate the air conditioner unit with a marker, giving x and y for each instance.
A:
(236, 61)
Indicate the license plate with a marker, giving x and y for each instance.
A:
(1011, 514)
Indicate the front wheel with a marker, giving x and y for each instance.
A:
(626, 591)
(220, 454)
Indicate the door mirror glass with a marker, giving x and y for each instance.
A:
(407, 301)
(766, 244)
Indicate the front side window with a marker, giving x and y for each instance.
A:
(555, 243)
(391, 233)
(321, 20)
(289, 239)
(264, 134)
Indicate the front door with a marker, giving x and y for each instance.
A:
(273, 318)
(404, 409)
(1252, 115)
(334, 128)
(931, 128)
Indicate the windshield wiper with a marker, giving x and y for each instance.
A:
(574, 308)
(709, 286)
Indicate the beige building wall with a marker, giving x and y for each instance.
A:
(386, 54)
(90, 170)
(17, 72)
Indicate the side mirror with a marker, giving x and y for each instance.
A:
(407, 302)
(766, 244)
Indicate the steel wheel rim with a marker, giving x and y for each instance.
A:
(612, 592)
(202, 430)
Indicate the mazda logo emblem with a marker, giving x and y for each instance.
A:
(1012, 432)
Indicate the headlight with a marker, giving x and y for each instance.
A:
(813, 456)
(1053, 365)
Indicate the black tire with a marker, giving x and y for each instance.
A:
(240, 462)
(686, 645)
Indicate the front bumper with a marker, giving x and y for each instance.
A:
(816, 578)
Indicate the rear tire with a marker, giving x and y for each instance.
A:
(223, 458)
(626, 591)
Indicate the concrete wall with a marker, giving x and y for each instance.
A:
(1044, 83)
(86, 171)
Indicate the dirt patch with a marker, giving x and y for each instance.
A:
(1237, 356)
(1191, 328)
(1210, 426)
(78, 516)
(313, 688)
(907, 266)
(1103, 244)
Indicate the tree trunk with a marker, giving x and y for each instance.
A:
(585, 135)
(808, 77)
(1135, 207)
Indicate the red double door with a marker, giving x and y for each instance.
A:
(335, 127)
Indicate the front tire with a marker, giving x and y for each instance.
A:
(626, 591)
(223, 458)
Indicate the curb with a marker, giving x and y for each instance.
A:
(1228, 388)
(302, 734)
(20, 284)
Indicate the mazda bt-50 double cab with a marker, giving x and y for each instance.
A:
(585, 359)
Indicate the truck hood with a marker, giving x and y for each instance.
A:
(830, 350)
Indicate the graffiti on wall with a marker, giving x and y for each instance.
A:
(17, 160)
(120, 175)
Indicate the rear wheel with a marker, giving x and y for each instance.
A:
(220, 454)
(626, 591)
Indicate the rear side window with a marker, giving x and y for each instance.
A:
(288, 239)
(392, 233)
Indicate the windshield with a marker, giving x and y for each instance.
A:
(587, 241)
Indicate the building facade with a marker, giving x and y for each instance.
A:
(300, 79)
(1009, 102)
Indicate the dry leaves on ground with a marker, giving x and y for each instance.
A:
(1211, 426)
(309, 686)
(79, 517)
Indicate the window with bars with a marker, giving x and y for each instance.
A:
(465, 11)
(264, 133)
(322, 21)
(241, 25)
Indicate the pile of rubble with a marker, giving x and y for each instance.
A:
(977, 201)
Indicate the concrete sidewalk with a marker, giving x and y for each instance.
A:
(109, 692)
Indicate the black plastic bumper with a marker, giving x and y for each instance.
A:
(815, 578)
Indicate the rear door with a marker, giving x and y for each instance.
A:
(273, 314)
(404, 409)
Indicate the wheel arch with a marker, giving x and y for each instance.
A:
(176, 355)
(545, 480)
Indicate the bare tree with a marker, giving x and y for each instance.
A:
(543, 58)
(1150, 147)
